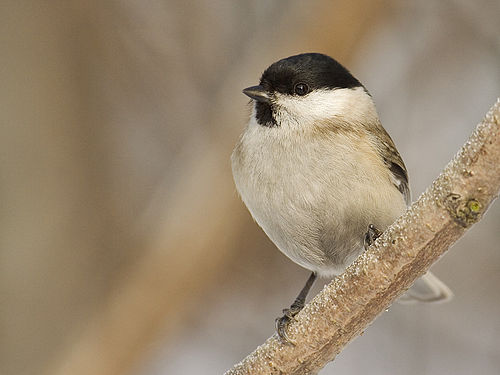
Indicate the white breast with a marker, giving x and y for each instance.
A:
(314, 191)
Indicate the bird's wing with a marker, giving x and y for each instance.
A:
(393, 160)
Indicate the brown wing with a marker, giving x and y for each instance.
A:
(393, 160)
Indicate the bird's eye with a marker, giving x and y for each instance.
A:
(301, 89)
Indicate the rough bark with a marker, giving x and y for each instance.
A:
(456, 200)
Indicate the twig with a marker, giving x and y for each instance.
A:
(457, 199)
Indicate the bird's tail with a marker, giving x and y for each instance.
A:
(427, 289)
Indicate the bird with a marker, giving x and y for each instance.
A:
(318, 172)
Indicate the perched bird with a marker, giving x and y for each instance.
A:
(318, 172)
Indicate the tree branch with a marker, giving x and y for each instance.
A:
(457, 199)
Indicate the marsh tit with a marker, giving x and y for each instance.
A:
(319, 173)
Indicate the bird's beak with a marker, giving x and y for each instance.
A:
(257, 93)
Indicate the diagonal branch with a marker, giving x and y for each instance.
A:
(457, 199)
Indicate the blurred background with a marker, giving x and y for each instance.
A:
(124, 248)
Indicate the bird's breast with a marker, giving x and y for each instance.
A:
(314, 196)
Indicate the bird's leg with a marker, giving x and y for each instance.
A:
(371, 235)
(289, 314)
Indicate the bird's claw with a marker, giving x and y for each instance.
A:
(282, 326)
(283, 322)
(371, 235)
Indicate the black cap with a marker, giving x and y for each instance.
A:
(316, 70)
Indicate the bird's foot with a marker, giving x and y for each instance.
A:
(371, 235)
(283, 322)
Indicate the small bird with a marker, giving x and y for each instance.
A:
(319, 173)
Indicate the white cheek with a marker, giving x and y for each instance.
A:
(348, 104)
